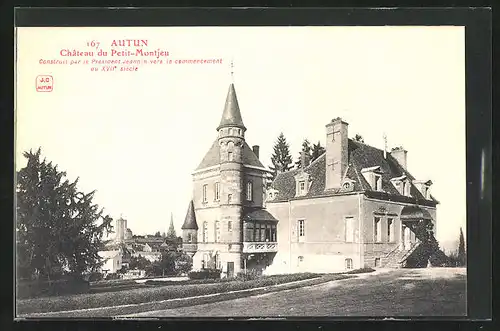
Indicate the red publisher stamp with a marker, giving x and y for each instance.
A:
(44, 83)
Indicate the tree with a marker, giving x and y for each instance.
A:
(359, 138)
(184, 263)
(172, 263)
(139, 262)
(317, 151)
(306, 148)
(462, 257)
(166, 265)
(59, 230)
(281, 157)
(157, 234)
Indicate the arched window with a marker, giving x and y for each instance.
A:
(348, 263)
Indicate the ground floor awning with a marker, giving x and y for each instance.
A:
(258, 214)
(415, 213)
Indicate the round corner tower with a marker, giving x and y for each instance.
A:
(231, 139)
(190, 231)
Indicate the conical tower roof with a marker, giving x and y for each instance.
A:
(190, 220)
(231, 115)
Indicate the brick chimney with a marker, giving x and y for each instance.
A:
(336, 153)
(255, 149)
(399, 153)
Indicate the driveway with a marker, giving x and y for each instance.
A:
(395, 292)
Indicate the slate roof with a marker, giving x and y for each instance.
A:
(212, 158)
(231, 116)
(190, 220)
(360, 156)
(258, 214)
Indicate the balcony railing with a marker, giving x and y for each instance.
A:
(260, 247)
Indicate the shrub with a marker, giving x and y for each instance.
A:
(112, 276)
(360, 271)
(249, 274)
(205, 274)
(40, 288)
(94, 277)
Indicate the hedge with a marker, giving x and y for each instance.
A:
(144, 295)
(30, 289)
(205, 274)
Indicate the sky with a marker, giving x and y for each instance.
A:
(137, 136)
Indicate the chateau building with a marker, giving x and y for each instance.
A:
(355, 206)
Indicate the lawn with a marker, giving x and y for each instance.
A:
(396, 293)
(148, 294)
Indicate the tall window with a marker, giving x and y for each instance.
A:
(190, 237)
(390, 229)
(205, 232)
(273, 233)
(426, 192)
(218, 262)
(249, 191)
(268, 232)
(348, 263)
(302, 186)
(217, 231)
(249, 232)
(262, 232)
(229, 198)
(230, 156)
(229, 226)
(349, 229)
(378, 182)
(302, 230)
(217, 191)
(377, 229)
(205, 193)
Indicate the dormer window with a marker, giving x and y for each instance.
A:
(402, 184)
(302, 184)
(424, 187)
(348, 185)
(373, 175)
(272, 194)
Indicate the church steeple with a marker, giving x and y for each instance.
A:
(231, 115)
(171, 230)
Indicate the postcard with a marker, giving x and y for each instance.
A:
(240, 172)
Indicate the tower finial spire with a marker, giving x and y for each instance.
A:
(385, 145)
(232, 70)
